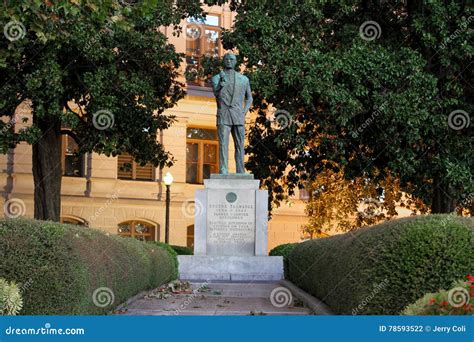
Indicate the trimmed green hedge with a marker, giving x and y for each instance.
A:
(284, 251)
(182, 250)
(384, 268)
(58, 267)
(172, 253)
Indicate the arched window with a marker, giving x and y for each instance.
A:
(73, 220)
(190, 236)
(72, 161)
(141, 230)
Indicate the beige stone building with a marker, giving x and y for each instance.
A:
(120, 197)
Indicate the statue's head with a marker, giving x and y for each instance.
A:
(230, 61)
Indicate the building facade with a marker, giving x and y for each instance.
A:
(119, 196)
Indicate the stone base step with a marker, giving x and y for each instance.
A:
(218, 298)
(230, 268)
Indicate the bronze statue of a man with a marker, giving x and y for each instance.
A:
(234, 98)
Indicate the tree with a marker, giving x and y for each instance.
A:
(338, 203)
(103, 69)
(375, 87)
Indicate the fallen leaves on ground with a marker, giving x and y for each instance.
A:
(173, 288)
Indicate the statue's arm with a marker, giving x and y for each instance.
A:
(248, 98)
(216, 87)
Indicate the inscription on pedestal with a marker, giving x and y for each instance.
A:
(231, 222)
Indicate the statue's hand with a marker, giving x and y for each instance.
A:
(223, 78)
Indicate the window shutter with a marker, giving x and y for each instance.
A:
(125, 166)
(128, 169)
(144, 172)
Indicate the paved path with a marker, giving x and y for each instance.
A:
(217, 299)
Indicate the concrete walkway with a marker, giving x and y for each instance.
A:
(218, 298)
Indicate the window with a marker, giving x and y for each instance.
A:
(140, 230)
(73, 220)
(127, 168)
(190, 236)
(201, 154)
(304, 195)
(202, 39)
(72, 162)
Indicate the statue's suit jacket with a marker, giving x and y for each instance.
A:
(230, 109)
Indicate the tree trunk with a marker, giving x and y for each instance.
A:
(47, 169)
(443, 202)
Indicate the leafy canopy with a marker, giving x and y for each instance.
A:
(102, 69)
(367, 86)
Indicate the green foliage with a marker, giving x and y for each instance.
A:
(102, 70)
(369, 106)
(104, 57)
(383, 268)
(284, 251)
(182, 250)
(10, 298)
(457, 301)
(171, 252)
(60, 266)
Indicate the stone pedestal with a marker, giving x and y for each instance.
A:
(231, 232)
